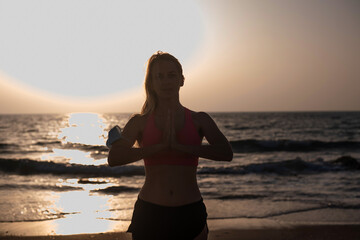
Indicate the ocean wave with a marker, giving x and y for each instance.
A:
(70, 145)
(7, 148)
(28, 167)
(252, 145)
(239, 146)
(85, 147)
(25, 151)
(7, 145)
(97, 151)
(89, 181)
(276, 212)
(116, 190)
(44, 216)
(47, 143)
(286, 167)
(241, 197)
(53, 188)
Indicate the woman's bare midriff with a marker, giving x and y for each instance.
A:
(170, 185)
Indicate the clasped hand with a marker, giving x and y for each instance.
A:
(169, 133)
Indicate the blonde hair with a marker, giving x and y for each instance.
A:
(151, 100)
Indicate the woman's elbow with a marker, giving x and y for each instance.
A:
(224, 154)
(228, 157)
(112, 159)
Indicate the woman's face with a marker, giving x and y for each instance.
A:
(166, 79)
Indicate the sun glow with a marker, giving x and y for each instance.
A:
(87, 48)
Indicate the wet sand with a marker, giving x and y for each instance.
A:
(313, 232)
(329, 224)
(229, 229)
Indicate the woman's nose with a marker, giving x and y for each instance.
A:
(166, 80)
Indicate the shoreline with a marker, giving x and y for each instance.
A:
(300, 232)
(329, 224)
(220, 229)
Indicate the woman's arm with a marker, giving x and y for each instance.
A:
(219, 148)
(122, 151)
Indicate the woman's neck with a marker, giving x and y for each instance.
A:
(164, 107)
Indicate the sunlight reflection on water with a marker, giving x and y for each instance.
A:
(84, 128)
(72, 156)
(83, 210)
(72, 204)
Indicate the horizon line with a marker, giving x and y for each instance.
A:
(220, 111)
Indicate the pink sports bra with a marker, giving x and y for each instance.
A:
(188, 135)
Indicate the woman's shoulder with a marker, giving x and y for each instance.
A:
(200, 117)
(138, 119)
(135, 126)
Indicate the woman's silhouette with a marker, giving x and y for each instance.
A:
(169, 138)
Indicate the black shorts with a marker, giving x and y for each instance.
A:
(152, 221)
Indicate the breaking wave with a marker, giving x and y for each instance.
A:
(252, 145)
(287, 167)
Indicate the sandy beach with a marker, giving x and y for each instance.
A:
(311, 232)
(220, 229)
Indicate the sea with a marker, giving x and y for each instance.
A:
(53, 168)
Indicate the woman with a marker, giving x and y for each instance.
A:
(169, 137)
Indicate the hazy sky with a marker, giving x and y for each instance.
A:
(280, 55)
